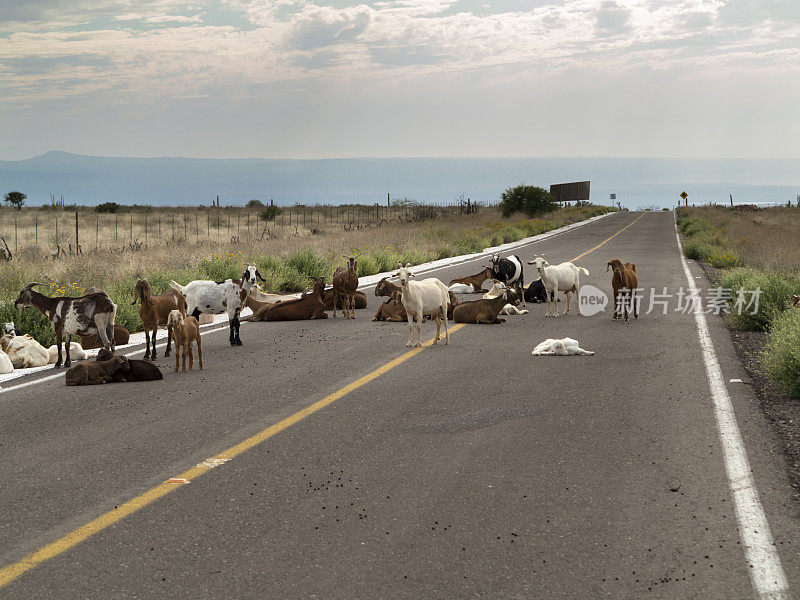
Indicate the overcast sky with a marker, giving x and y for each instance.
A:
(330, 78)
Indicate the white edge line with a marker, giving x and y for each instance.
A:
(366, 283)
(766, 573)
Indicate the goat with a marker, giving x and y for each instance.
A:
(154, 312)
(624, 280)
(426, 297)
(345, 284)
(392, 309)
(330, 295)
(483, 311)
(535, 292)
(793, 303)
(386, 288)
(185, 330)
(93, 373)
(76, 351)
(509, 271)
(216, 298)
(5, 364)
(140, 369)
(461, 288)
(24, 351)
(564, 347)
(121, 337)
(91, 313)
(308, 306)
(476, 281)
(510, 309)
(559, 278)
(10, 328)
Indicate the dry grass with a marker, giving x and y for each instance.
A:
(764, 239)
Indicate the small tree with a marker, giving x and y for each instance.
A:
(529, 199)
(107, 207)
(15, 199)
(255, 203)
(269, 213)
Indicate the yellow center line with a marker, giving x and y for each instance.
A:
(76, 536)
(608, 239)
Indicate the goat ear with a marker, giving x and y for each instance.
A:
(399, 266)
(408, 265)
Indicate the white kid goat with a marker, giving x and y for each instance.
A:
(564, 347)
(426, 297)
(559, 278)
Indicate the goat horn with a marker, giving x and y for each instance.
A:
(33, 283)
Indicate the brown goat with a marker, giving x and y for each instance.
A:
(140, 369)
(345, 285)
(624, 280)
(392, 310)
(794, 302)
(476, 281)
(121, 337)
(93, 373)
(185, 330)
(330, 295)
(480, 311)
(308, 306)
(386, 288)
(154, 311)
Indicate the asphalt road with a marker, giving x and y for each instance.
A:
(468, 470)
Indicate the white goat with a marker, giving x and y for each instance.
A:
(216, 298)
(426, 297)
(462, 288)
(559, 278)
(256, 293)
(5, 364)
(498, 289)
(76, 352)
(24, 351)
(510, 309)
(564, 347)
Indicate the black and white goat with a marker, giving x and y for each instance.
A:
(215, 298)
(509, 271)
(90, 314)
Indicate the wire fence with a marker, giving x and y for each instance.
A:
(80, 230)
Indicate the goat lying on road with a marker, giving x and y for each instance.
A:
(510, 309)
(509, 271)
(92, 373)
(461, 288)
(476, 281)
(559, 278)
(482, 311)
(624, 280)
(76, 351)
(140, 369)
(386, 287)
(392, 309)
(534, 292)
(5, 364)
(121, 337)
(23, 351)
(308, 306)
(185, 330)
(564, 347)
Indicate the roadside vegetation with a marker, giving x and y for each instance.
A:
(755, 249)
(286, 262)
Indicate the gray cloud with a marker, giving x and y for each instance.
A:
(612, 18)
(317, 32)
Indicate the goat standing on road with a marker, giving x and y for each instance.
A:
(345, 285)
(92, 313)
(426, 297)
(559, 278)
(216, 298)
(155, 311)
(625, 281)
(185, 331)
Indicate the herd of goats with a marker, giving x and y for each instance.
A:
(182, 309)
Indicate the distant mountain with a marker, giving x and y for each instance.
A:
(192, 181)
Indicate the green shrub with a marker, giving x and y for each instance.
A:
(776, 290)
(269, 213)
(307, 263)
(107, 207)
(367, 265)
(529, 199)
(781, 357)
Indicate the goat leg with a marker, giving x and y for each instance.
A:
(146, 342)
(200, 351)
(237, 323)
(177, 356)
(169, 340)
(58, 343)
(67, 340)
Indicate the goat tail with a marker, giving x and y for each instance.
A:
(176, 286)
(584, 271)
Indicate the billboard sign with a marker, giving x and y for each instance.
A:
(570, 192)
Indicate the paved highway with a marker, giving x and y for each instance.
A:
(469, 470)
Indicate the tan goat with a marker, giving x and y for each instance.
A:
(185, 330)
